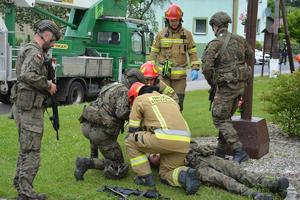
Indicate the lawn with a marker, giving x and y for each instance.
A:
(55, 176)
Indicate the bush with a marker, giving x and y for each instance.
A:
(283, 102)
(258, 45)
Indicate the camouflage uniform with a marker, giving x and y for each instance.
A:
(103, 119)
(230, 78)
(175, 46)
(216, 171)
(102, 122)
(30, 93)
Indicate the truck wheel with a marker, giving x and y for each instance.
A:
(76, 93)
(5, 98)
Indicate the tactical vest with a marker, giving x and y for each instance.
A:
(233, 70)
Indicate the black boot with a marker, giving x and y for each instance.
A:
(189, 180)
(82, 165)
(146, 180)
(280, 186)
(239, 155)
(94, 151)
(261, 196)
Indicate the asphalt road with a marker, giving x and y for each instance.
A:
(200, 83)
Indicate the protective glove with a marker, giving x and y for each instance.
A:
(194, 74)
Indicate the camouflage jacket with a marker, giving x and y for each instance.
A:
(110, 108)
(32, 85)
(234, 62)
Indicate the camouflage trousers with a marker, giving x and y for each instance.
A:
(224, 106)
(30, 128)
(105, 139)
(230, 176)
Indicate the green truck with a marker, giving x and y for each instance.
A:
(99, 43)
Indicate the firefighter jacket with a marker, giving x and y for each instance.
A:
(167, 90)
(176, 47)
(160, 115)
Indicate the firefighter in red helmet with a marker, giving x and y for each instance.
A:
(173, 50)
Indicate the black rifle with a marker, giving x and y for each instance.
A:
(212, 93)
(124, 193)
(55, 117)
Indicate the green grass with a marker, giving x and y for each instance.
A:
(55, 176)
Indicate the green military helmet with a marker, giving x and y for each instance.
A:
(46, 24)
(131, 76)
(220, 19)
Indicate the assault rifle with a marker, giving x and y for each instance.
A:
(124, 193)
(55, 117)
(212, 93)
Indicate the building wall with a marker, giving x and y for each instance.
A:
(204, 9)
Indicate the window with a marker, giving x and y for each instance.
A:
(200, 26)
(108, 38)
(137, 42)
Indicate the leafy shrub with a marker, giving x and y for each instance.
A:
(258, 45)
(283, 102)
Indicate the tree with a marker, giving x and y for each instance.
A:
(294, 25)
(27, 16)
(141, 9)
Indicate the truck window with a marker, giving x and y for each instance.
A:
(108, 38)
(137, 42)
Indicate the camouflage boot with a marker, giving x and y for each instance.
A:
(239, 155)
(82, 165)
(146, 180)
(279, 186)
(261, 196)
(189, 180)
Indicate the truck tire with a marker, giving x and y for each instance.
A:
(76, 93)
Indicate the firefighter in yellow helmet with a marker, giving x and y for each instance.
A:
(157, 126)
(171, 50)
(150, 72)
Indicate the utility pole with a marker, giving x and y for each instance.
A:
(287, 36)
(252, 131)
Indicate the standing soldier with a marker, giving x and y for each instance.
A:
(225, 68)
(32, 89)
(171, 50)
(102, 122)
(156, 125)
(150, 71)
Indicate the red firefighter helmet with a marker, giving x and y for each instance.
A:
(173, 12)
(149, 70)
(297, 58)
(134, 91)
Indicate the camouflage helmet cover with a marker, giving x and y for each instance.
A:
(46, 24)
(133, 75)
(114, 170)
(220, 19)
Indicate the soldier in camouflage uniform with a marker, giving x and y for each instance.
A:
(216, 171)
(102, 122)
(29, 94)
(224, 65)
(174, 47)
